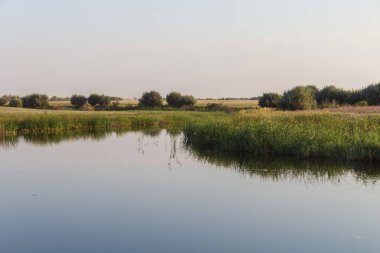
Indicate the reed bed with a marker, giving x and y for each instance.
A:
(15, 121)
(298, 134)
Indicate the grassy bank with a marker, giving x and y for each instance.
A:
(15, 121)
(299, 134)
(320, 134)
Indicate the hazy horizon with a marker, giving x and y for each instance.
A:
(206, 48)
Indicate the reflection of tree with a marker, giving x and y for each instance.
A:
(288, 169)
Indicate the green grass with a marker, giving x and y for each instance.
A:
(15, 121)
(302, 135)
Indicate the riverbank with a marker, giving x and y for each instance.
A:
(312, 134)
(14, 121)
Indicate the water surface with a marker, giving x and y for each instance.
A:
(144, 191)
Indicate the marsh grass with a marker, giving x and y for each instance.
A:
(301, 134)
(16, 121)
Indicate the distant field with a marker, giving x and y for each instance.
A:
(230, 103)
(356, 109)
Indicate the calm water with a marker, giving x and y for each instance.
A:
(145, 192)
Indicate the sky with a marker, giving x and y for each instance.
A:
(207, 48)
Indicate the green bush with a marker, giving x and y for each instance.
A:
(298, 98)
(104, 100)
(187, 100)
(35, 101)
(271, 100)
(94, 99)
(314, 90)
(361, 103)
(78, 100)
(371, 94)
(355, 97)
(15, 102)
(3, 101)
(176, 99)
(332, 95)
(150, 99)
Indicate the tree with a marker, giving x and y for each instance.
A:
(150, 99)
(271, 100)
(331, 95)
(104, 100)
(94, 99)
(15, 102)
(314, 90)
(175, 99)
(78, 100)
(188, 100)
(35, 101)
(371, 94)
(3, 101)
(298, 98)
(356, 97)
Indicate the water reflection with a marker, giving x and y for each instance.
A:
(42, 139)
(288, 169)
(267, 168)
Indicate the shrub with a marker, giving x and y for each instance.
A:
(3, 101)
(104, 100)
(175, 99)
(270, 100)
(332, 95)
(355, 97)
(298, 98)
(314, 90)
(35, 101)
(187, 101)
(150, 99)
(371, 94)
(78, 100)
(361, 103)
(15, 102)
(94, 99)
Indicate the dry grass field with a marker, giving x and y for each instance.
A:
(356, 109)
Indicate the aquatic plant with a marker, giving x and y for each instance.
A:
(302, 135)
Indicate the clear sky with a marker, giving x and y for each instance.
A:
(207, 48)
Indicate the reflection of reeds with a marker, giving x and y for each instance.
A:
(49, 138)
(287, 169)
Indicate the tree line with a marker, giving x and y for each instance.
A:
(148, 100)
(310, 97)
